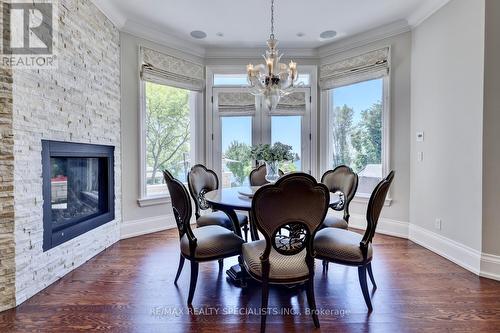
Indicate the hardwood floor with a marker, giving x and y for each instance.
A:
(129, 288)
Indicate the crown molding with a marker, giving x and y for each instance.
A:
(255, 52)
(364, 38)
(424, 11)
(163, 38)
(111, 12)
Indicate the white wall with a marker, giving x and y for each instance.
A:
(491, 131)
(137, 219)
(447, 104)
(398, 211)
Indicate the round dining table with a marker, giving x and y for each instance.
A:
(230, 200)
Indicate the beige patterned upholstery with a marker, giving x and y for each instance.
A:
(282, 267)
(219, 218)
(340, 245)
(212, 241)
(335, 222)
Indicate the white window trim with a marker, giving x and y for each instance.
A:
(325, 134)
(144, 200)
(312, 70)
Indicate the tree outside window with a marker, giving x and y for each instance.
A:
(168, 135)
(356, 129)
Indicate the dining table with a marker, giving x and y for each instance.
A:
(232, 199)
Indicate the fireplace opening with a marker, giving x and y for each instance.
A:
(78, 189)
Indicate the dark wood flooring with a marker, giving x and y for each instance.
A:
(129, 288)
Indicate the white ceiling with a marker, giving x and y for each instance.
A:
(247, 23)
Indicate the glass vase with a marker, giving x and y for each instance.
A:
(272, 173)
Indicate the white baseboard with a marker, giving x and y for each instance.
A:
(458, 253)
(146, 226)
(385, 226)
(490, 266)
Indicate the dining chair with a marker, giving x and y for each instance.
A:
(352, 249)
(211, 242)
(344, 180)
(258, 176)
(201, 181)
(288, 214)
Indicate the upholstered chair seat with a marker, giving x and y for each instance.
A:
(341, 245)
(221, 219)
(282, 267)
(335, 222)
(212, 241)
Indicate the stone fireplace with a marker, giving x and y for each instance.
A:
(78, 102)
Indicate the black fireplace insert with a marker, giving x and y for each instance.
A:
(78, 189)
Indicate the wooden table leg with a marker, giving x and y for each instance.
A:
(237, 273)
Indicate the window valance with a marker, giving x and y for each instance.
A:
(371, 65)
(236, 103)
(292, 103)
(162, 68)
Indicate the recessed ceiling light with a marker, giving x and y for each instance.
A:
(328, 34)
(300, 34)
(219, 34)
(198, 34)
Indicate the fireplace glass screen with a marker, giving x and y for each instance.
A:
(78, 189)
(74, 187)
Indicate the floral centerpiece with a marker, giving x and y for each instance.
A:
(272, 156)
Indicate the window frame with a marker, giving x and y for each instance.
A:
(197, 131)
(311, 70)
(326, 153)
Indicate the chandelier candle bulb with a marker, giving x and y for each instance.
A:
(250, 70)
(269, 66)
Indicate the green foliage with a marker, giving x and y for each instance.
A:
(367, 138)
(358, 144)
(167, 128)
(239, 152)
(342, 127)
(278, 152)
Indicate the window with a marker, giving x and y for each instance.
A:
(356, 131)
(287, 130)
(227, 80)
(169, 139)
(230, 80)
(236, 164)
(240, 120)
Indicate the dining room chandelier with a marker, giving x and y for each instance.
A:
(273, 79)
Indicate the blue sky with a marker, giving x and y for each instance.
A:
(358, 96)
(287, 129)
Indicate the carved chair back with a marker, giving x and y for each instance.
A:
(344, 180)
(201, 181)
(288, 214)
(375, 205)
(181, 205)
